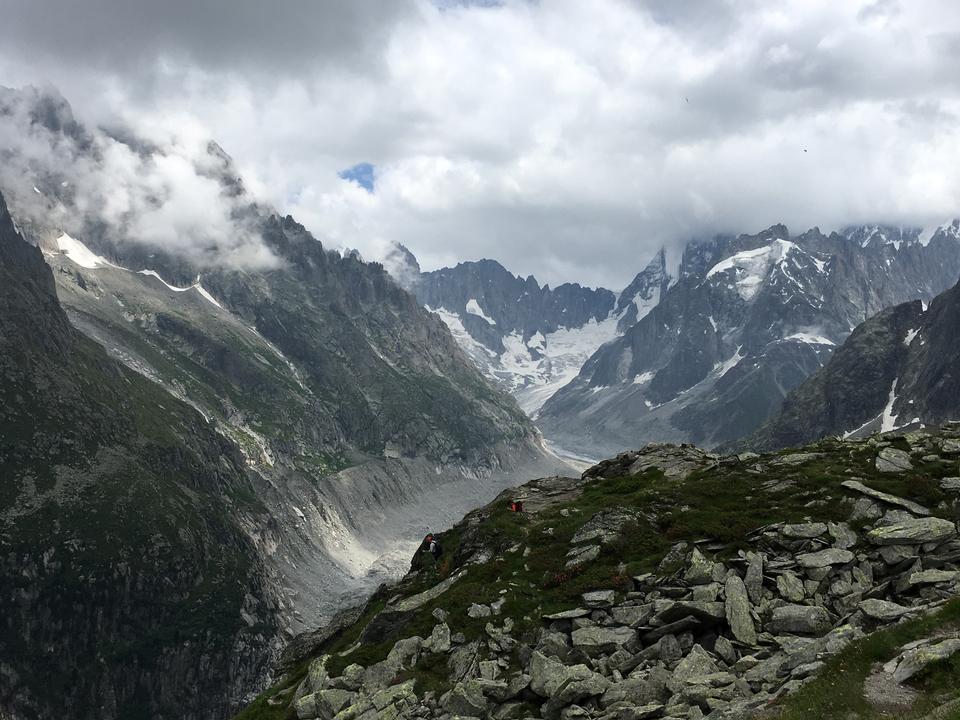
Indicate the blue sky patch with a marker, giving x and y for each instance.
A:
(361, 174)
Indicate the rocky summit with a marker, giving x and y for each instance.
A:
(669, 583)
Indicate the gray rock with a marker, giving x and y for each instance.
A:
(415, 601)
(933, 577)
(674, 557)
(738, 609)
(843, 537)
(605, 525)
(885, 497)
(892, 460)
(599, 598)
(581, 555)
(440, 615)
(882, 609)
(913, 661)
(596, 641)
(801, 619)
(804, 530)
(724, 648)
(754, 577)
(466, 698)
(699, 570)
(568, 614)
(790, 587)
(797, 458)
(707, 613)
(896, 554)
(696, 664)
(631, 614)
(439, 640)
(951, 484)
(865, 510)
(913, 532)
(479, 611)
(825, 558)
(352, 676)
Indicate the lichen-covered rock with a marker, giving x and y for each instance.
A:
(801, 619)
(825, 558)
(914, 531)
(738, 611)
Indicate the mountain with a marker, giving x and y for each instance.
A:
(130, 585)
(530, 339)
(748, 319)
(649, 588)
(355, 420)
(900, 368)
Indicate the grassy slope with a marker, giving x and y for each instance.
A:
(722, 504)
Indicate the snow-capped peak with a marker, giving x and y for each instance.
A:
(751, 267)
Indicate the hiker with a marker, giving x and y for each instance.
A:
(433, 547)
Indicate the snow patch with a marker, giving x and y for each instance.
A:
(751, 267)
(80, 254)
(643, 378)
(722, 368)
(889, 420)
(911, 334)
(810, 338)
(473, 307)
(196, 286)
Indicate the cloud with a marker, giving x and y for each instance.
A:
(566, 139)
(167, 190)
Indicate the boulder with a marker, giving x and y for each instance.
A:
(859, 487)
(439, 640)
(479, 611)
(631, 614)
(737, 610)
(581, 555)
(415, 601)
(892, 460)
(708, 613)
(804, 530)
(754, 577)
(605, 525)
(799, 619)
(933, 577)
(790, 587)
(598, 640)
(950, 484)
(825, 558)
(913, 532)
(466, 698)
(700, 569)
(882, 610)
(599, 598)
(694, 666)
(913, 661)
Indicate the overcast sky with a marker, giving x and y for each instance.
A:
(567, 139)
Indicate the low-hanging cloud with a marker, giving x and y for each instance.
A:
(567, 139)
(166, 191)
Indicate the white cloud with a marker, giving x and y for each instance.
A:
(571, 139)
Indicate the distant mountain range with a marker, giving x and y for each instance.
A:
(704, 353)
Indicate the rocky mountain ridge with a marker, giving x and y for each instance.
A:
(641, 591)
(130, 584)
(749, 319)
(529, 339)
(897, 369)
